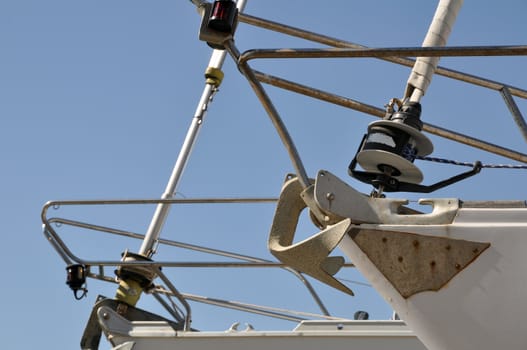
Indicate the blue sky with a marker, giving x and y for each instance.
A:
(96, 98)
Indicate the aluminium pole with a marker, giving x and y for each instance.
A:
(214, 69)
(132, 282)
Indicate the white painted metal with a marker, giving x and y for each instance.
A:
(468, 312)
(309, 335)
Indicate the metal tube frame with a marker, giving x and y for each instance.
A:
(440, 51)
(339, 43)
(515, 111)
(272, 112)
(348, 49)
(378, 112)
(249, 262)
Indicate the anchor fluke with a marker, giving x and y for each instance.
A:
(311, 255)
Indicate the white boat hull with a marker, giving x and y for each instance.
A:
(483, 306)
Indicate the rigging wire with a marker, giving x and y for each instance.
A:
(455, 162)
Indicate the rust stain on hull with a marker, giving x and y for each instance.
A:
(415, 263)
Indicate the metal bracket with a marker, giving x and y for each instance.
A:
(310, 255)
(391, 184)
(92, 333)
(336, 197)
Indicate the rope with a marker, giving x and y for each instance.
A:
(455, 162)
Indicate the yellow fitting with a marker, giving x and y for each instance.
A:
(214, 76)
(128, 292)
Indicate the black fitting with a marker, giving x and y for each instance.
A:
(361, 315)
(223, 16)
(409, 114)
(388, 183)
(218, 23)
(76, 279)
